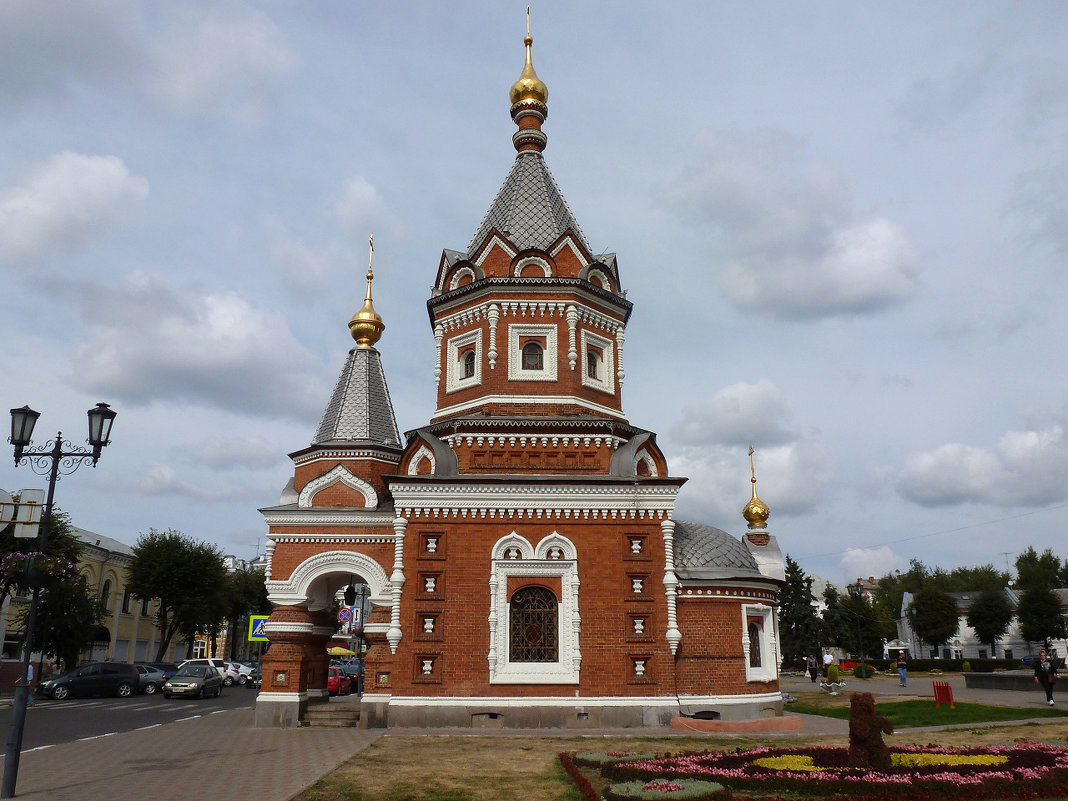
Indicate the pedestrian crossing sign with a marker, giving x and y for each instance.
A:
(256, 628)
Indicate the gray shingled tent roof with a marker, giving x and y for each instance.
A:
(701, 548)
(360, 409)
(529, 208)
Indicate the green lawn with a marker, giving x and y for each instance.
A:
(905, 714)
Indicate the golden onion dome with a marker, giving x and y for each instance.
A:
(756, 512)
(366, 325)
(529, 88)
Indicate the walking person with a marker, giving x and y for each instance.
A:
(1045, 675)
(812, 667)
(29, 685)
(902, 668)
(827, 660)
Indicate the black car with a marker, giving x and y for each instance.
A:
(94, 678)
(168, 668)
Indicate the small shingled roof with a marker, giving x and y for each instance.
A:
(360, 409)
(699, 546)
(529, 208)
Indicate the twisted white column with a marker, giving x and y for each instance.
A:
(671, 584)
(396, 581)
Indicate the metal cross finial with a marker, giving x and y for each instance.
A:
(752, 467)
(371, 258)
(528, 20)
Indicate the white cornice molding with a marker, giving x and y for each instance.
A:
(740, 591)
(336, 454)
(339, 474)
(530, 310)
(539, 400)
(297, 589)
(565, 442)
(569, 701)
(321, 517)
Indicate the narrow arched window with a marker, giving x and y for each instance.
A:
(754, 645)
(469, 364)
(591, 363)
(532, 619)
(105, 592)
(533, 356)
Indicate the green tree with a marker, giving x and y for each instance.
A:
(186, 576)
(833, 619)
(862, 628)
(989, 616)
(247, 595)
(798, 623)
(68, 616)
(933, 615)
(62, 544)
(977, 579)
(1038, 570)
(1041, 616)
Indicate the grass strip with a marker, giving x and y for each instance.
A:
(919, 712)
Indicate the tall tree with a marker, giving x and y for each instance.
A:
(69, 614)
(62, 544)
(1041, 616)
(989, 616)
(185, 575)
(247, 595)
(977, 579)
(862, 629)
(1037, 570)
(798, 623)
(833, 620)
(933, 615)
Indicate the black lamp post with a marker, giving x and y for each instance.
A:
(60, 456)
(856, 592)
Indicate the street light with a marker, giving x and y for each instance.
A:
(856, 592)
(50, 459)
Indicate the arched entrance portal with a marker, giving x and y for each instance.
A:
(303, 622)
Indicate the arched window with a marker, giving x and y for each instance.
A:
(126, 597)
(754, 645)
(592, 360)
(533, 356)
(105, 592)
(532, 620)
(469, 364)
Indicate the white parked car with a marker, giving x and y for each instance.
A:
(219, 665)
(241, 672)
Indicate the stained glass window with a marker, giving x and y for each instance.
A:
(533, 626)
(532, 356)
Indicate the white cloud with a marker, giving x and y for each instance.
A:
(866, 562)
(226, 453)
(230, 60)
(737, 415)
(162, 479)
(150, 342)
(1024, 468)
(64, 203)
(794, 248)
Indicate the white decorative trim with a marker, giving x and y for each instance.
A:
(342, 474)
(569, 243)
(644, 457)
(535, 562)
(396, 581)
(463, 272)
(482, 400)
(606, 381)
(568, 702)
(604, 283)
(493, 314)
(423, 453)
(546, 268)
(454, 370)
(439, 333)
(494, 240)
(768, 645)
(620, 336)
(333, 454)
(515, 355)
(572, 321)
(297, 588)
(320, 516)
(267, 696)
(671, 585)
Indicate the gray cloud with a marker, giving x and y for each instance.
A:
(227, 453)
(737, 415)
(794, 247)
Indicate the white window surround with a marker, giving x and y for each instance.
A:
(768, 645)
(339, 473)
(454, 368)
(516, 332)
(423, 453)
(553, 557)
(546, 268)
(598, 277)
(645, 458)
(463, 272)
(606, 381)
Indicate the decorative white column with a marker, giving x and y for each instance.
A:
(439, 334)
(620, 373)
(572, 349)
(671, 584)
(493, 314)
(396, 581)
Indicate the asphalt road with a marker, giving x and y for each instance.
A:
(50, 723)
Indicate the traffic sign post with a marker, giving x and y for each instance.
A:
(256, 628)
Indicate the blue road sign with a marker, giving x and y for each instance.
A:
(256, 624)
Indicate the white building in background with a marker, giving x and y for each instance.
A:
(965, 645)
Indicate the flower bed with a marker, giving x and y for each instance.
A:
(917, 773)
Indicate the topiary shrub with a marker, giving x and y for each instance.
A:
(862, 671)
(966, 667)
(832, 674)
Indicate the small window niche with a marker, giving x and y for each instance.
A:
(598, 362)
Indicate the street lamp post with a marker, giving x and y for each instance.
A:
(60, 456)
(856, 592)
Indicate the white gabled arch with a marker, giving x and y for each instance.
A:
(423, 453)
(463, 272)
(537, 261)
(552, 542)
(645, 458)
(339, 473)
(308, 583)
(513, 540)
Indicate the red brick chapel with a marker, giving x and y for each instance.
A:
(520, 549)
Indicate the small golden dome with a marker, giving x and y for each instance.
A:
(529, 88)
(366, 325)
(756, 512)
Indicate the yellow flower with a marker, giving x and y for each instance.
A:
(787, 762)
(922, 760)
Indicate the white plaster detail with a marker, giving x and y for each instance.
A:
(636, 585)
(639, 626)
(639, 667)
(570, 702)
(769, 648)
(428, 666)
(439, 334)
(515, 357)
(636, 545)
(494, 240)
(572, 350)
(596, 276)
(312, 582)
(620, 374)
(342, 474)
(424, 452)
(430, 584)
(645, 458)
(463, 272)
(431, 544)
(569, 243)
(396, 582)
(428, 625)
(517, 397)
(493, 314)
(546, 268)
(535, 563)
(605, 380)
(454, 369)
(671, 585)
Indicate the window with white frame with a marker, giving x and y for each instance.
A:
(532, 354)
(534, 635)
(598, 363)
(759, 642)
(464, 361)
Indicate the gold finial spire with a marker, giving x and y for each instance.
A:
(366, 325)
(529, 89)
(756, 512)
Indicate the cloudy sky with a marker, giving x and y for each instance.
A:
(843, 226)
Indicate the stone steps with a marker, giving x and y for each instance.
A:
(332, 715)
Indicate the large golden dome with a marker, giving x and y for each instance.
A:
(529, 88)
(756, 512)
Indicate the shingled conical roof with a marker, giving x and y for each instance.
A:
(360, 409)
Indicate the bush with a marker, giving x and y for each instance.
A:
(832, 673)
(966, 667)
(655, 789)
(868, 671)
